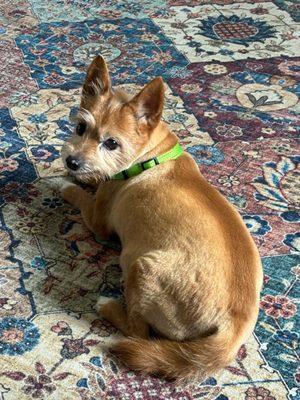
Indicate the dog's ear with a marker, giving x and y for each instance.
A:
(97, 81)
(148, 104)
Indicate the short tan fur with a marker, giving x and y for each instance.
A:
(192, 272)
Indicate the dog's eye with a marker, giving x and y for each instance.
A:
(80, 128)
(111, 144)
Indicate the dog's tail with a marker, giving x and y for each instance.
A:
(182, 360)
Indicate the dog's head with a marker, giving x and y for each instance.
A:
(113, 130)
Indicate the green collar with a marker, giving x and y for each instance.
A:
(136, 169)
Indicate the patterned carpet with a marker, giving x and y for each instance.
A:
(231, 70)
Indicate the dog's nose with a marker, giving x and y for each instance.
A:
(72, 163)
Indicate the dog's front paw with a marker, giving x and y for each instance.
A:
(69, 191)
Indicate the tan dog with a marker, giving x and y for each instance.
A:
(191, 269)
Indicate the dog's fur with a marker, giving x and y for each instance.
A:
(191, 269)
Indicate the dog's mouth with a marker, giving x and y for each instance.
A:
(87, 176)
(83, 170)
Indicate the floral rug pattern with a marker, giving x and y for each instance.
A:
(232, 72)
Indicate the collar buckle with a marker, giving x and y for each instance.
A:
(136, 169)
(147, 161)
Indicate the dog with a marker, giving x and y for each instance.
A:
(192, 273)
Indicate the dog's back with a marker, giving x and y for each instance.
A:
(197, 271)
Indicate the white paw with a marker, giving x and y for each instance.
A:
(102, 300)
(54, 183)
(65, 184)
(58, 182)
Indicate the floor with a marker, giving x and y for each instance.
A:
(232, 73)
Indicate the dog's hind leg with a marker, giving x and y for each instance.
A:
(130, 325)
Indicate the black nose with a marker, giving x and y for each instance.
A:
(72, 163)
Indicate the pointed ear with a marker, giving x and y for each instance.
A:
(97, 81)
(148, 104)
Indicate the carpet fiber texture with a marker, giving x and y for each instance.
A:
(232, 72)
